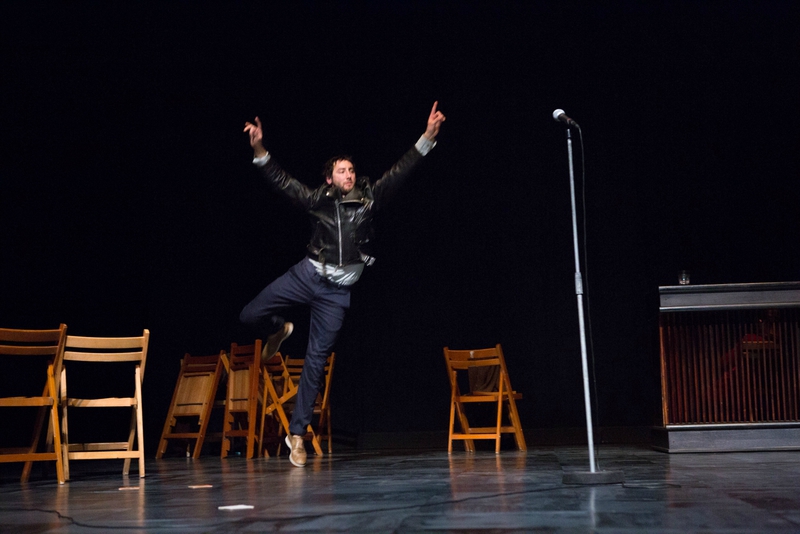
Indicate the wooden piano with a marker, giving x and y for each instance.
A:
(730, 367)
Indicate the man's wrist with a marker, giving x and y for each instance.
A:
(424, 145)
(260, 161)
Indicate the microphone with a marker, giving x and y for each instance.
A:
(559, 115)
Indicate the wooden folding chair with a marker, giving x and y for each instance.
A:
(499, 392)
(283, 403)
(242, 398)
(192, 402)
(44, 350)
(99, 364)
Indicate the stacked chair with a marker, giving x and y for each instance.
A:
(279, 390)
(282, 376)
(242, 401)
(322, 405)
(193, 402)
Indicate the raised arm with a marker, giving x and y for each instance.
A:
(279, 179)
(256, 138)
(435, 120)
(394, 177)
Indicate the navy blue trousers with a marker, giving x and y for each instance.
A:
(302, 285)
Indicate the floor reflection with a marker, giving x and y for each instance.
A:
(419, 491)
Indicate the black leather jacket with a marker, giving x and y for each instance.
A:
(342, 224)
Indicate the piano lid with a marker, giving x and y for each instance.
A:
(729, 296)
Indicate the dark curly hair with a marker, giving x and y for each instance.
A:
(327, 170)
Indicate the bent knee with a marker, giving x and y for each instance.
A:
(247, 317)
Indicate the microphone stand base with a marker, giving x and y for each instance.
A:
(591, 478)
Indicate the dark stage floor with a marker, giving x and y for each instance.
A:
(419, 491)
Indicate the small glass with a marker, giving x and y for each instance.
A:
(683, 278)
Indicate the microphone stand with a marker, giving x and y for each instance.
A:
(593, 476)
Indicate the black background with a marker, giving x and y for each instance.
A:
(129, 200)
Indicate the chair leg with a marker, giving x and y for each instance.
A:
(519, 436)
(499, 418)
(198, 445)
(469, 444)
(126, 466)
(162, 444)
(513, 416)
(53, 438)
(204, 421)
(65, 459)
(53, 432)
(227, 426)
(252, 413)
(139, 422)
(64, 425)
(251, 428)
(452, 421)
(37, 431)
(269, 402)
(315, 441)
(262, 423)
(330, 433)
(57, 443)
(457, 409)
(282, 417)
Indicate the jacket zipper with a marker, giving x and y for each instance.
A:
(339, 228)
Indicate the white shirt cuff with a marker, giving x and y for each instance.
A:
(424, 145)
(260, 162)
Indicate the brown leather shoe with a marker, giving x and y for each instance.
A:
(297, 450)
(274, 341)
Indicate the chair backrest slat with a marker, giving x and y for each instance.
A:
(103, 356)
(80, 342)
(17, 350)
(30, 336)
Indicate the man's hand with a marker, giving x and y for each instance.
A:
(435, 120)
(256, 137)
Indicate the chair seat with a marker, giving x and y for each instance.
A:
(23, 454)
(27, 401)
(481, 396)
